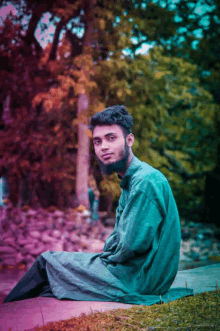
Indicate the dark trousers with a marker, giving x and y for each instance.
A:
(33, 284)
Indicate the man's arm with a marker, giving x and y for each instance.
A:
(137, 228)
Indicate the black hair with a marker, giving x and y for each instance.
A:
(113, 115)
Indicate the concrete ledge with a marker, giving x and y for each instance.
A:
(27, 314)
(201, 279)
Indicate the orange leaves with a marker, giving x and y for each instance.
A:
(44, 59)
(102, 23)
(51, 99)
(48, 104)
(98, 106)
(65, 9)
(85, 69)
(88, 133)
(56, 128)
(82, 78)
(75, 73)
(38, 99)
(64, 50)
(82, 118)
(84, 62)
(76, 81)
(83, 86)
(80, 89)
(56, 95)
(66, 82)
(57, 92)
(55, 67)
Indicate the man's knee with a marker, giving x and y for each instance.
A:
(40, 261)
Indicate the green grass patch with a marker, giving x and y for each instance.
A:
(199, 312)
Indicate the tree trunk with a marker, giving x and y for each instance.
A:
(83, 157)
(7, 119)
(82, 161)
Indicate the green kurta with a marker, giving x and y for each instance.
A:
(141, 256)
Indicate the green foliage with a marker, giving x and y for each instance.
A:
(110, 186)
(197, 40)
(174, 117)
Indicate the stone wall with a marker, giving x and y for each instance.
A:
(25, 234)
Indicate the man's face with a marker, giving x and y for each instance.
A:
(110, 148)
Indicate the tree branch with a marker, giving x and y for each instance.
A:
(53, 50)
(76, 43)
(38, 11)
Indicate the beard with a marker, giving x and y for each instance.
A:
(117, 166)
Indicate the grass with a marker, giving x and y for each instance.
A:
(199, 312)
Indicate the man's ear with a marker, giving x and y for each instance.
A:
(130, 139)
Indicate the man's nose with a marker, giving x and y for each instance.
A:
(104, 145)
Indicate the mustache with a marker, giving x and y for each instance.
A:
(117, 166)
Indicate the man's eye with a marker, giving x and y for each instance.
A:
(96, 142)
(111, 138)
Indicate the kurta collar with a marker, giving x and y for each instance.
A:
(133, 166)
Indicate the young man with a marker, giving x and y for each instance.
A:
(140, 258)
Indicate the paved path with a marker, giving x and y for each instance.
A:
(203, 279)
(26, 314)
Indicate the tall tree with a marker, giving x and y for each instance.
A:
(199, 43)
(82, 169)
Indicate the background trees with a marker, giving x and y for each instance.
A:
(173, 119)
(91, 62)
(54, 89)
(199, 44)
